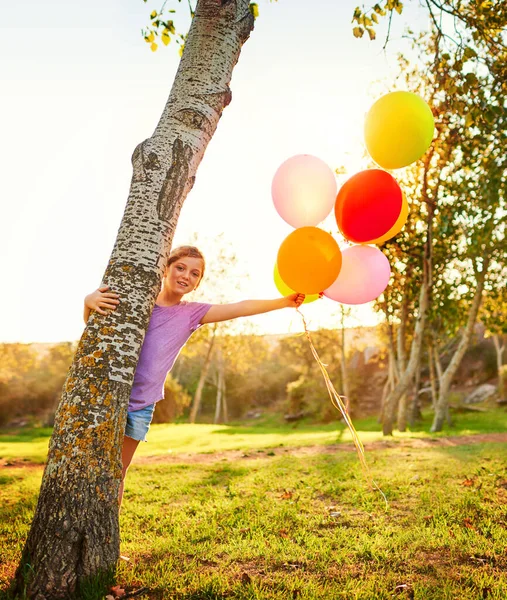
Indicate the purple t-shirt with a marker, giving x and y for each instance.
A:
(168, 330)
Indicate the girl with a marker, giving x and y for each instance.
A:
(171, 324)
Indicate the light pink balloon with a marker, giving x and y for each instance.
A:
(363, 277)
(304, 190)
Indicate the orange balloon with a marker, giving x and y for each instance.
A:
(397, 227)
(309, 260)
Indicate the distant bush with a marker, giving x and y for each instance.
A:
(31, 381)
(308, 395)
(502, 384)
(176, 400)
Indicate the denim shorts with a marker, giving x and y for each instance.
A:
(138, 423)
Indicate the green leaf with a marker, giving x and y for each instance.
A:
(469, 53)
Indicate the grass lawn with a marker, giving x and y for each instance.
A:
(30, 445)
(274, 524)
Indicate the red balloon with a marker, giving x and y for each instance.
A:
(368, 205)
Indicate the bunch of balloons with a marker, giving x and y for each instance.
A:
(370, 208)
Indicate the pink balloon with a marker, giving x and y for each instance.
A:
(304, 190)
(363, 277)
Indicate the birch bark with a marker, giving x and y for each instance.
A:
(415, 407)
(433, 380)
(343, 364)
(220, 389)
(441, 409)
(499, 348)
(75, 532)
(406, 377)
(400, 340)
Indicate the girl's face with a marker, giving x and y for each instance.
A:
(184, 274)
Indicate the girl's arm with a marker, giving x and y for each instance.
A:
(100, 300)
(247, 308)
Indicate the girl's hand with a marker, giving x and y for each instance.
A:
(102, 300)
(295, 300)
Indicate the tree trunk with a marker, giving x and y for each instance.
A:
(438, 367)
(401, 421)
(218, 404)
(395, 372)
(385, 391)
(400, 338)
(393, 380)
(75, 533)
(343, 365)
(442, 409)
(423, 301)
(415, 409)
(433, 378)
(407, 377)
(196, 404)
(221, 413)
(220, 389)
(225, 410)
(499, 362)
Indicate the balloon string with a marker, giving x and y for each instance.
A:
(337, 402)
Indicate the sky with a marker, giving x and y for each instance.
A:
(81, 88)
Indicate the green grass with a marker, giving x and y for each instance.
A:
(276, 526)
(31, 444)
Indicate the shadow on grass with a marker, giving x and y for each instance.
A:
(223, 475)
(18, 508)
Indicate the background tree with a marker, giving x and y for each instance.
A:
(221, 284)
(476, 183)
(493, 316)
(453, 195)
(31, 380)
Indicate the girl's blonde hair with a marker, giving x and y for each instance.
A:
(183, 251)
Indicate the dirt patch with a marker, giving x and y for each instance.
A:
(301, 451)
(297, 451)
(15, 464)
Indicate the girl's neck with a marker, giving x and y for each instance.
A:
(168, 298)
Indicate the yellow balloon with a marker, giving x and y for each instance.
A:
(398, 129)
(285, 290)
(397, 227)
